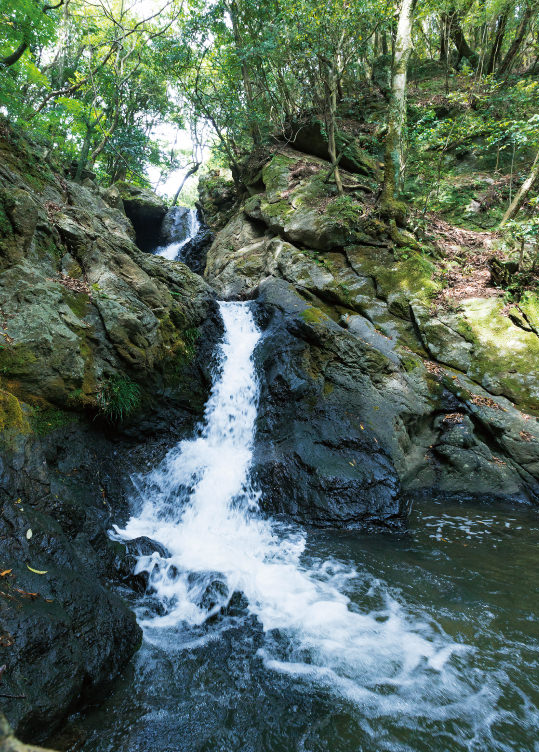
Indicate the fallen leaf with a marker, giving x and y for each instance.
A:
(6, 571)
(37, 571)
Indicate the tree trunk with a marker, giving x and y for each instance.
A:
(459, 40)
(522, 192)
(507, 62)
(247, 85)
(12, 59)
(497, 43)
(397, 112)
(85, 151)
(444, 38)
(186, 177)
(331, 121)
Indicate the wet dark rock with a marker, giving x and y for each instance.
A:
(64, 632)
(195, 252)
(175, 225)
(314, 459)
(126, 561)
(214, 594)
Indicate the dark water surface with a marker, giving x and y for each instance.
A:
(466, 575)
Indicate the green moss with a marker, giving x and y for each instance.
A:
(529, 305)
(49, 249)
(313, 315)
(16, 360)
(275, 174)
(503, 353)
(328, 388)
(79, 302)
(344, 211)
(410, 363)
(46, 420)
(278, 209)
(6, 228)
(12, 416)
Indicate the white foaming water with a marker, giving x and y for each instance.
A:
(173, 251)
(200, 505)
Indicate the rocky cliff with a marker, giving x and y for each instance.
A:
(101, 345)
(382, 375)
(382, 379)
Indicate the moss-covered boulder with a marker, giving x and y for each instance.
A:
(218, 198)
(300, 206)
(310, 137)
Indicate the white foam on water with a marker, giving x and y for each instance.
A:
(173, 251)
(200, 505)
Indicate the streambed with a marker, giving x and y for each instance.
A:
(263, 636)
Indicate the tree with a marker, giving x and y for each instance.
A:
(397, 113)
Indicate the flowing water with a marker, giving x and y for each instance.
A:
(184, 229)
(261, 636)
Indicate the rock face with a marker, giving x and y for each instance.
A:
(9, 743)
(101, 346)
(146, 212)
(217, 198)
(63, 632)
(372, 391)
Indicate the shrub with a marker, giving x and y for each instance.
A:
(118, 397)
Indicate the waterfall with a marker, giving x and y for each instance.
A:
(181, 226)
(200, 505)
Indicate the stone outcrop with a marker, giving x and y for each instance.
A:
(145, 210)
(101, 345)
(373, 392)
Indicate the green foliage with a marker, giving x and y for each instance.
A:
(118, 397)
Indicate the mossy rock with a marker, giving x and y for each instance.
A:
(313, 315)
(529, 305)
(45, 420)
(399, 282)
(505, 356)
(296, 210)
(12, 415)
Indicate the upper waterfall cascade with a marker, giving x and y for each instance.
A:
(184, 225)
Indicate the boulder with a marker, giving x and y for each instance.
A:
(310, 138)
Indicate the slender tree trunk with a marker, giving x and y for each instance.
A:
(247, 84)
(333, 85)
(507, 62)
(397, 112)
(497, 43)
(85, 151)
(186, 177)
(522, 192)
